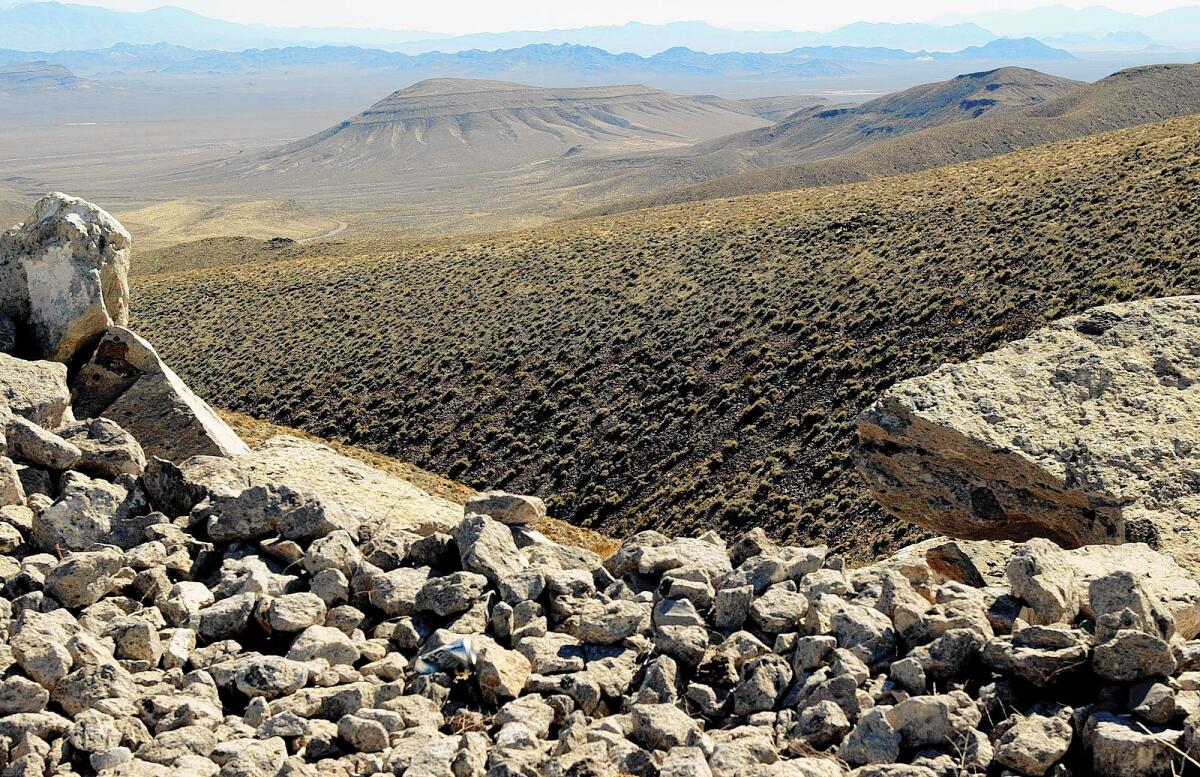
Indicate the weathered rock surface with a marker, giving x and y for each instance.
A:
(1086, 432)
(64, 278)
(385, 504)
(127, 382)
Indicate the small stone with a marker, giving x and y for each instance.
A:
(450, 594)
(1033, 744)
(363, 735)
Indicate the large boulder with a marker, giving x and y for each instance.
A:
(385, 503)
(64, 278)
(127, 382)
(1084, 433)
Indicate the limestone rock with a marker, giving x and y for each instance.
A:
(64, 277)
(35, 390)
(513, 509)
(106, 450)
(1083, 433)
(384, 504)
(127, 382)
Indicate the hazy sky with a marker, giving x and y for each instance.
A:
(461, 16)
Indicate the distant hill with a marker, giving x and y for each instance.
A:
(1127, 98)
(450, 127)
(33, 77)
(692, 367)
(821, 132)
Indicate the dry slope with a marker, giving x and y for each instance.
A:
(694, 366)
(1124, 99)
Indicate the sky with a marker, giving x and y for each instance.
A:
(464, 16)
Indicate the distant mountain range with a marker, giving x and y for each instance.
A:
(1176, 26)
(529, 60)
(53, 26)
(58, 26)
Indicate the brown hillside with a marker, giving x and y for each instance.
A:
(692, 366)
(1124, 99)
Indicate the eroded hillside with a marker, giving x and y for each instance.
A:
(691, 366)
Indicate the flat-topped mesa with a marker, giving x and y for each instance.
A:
(1087, 431)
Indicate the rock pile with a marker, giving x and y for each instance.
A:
(174, 603)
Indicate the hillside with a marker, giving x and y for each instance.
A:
(822, 132)
(442, 128)
(1127, 98)
(33, 77)
(696, 366)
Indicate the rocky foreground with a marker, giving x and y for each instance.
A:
(174, 602)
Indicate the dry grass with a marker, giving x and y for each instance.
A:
(695, 366)
(167, 223)
(254, 431)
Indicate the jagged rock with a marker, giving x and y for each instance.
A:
(64, 277)
(127, 382)
(82, 578)
(873, 740)
(934, 720)
(486, 546)
(1133, 655)
(323, 642)
(450, 594)
(271, 677)
(1034, 743)
(501, 673)
(512, 509)
(295, 612)
(31, 444)
(1120, 749)
(84, 514)
(663, 727)
(1080, 433)
(106, 450)
(261, 510)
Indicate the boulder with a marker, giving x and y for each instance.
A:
(127, 382)
(513, 509)
(106, 450)
(1083, 433)
(384, 503)
(35, 390)
(64, 278)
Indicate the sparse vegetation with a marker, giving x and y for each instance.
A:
(694, 366)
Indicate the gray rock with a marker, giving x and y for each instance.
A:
(871, 741)
(937, 720)
(486, 546)
(1119, 749)
(64, 276)
(35, 390)
(323, 642)
(1057, 435)
(31, 444)
(82, 578)
(822, 725)
(663, 726)
(363, 735)
(512, 509)
(766, 678)
(450, 594)
(270, 677)
(227, 618)
(1034, 743)
(778, 610)
(1133, 655)
(106, 450)
(296, 612)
